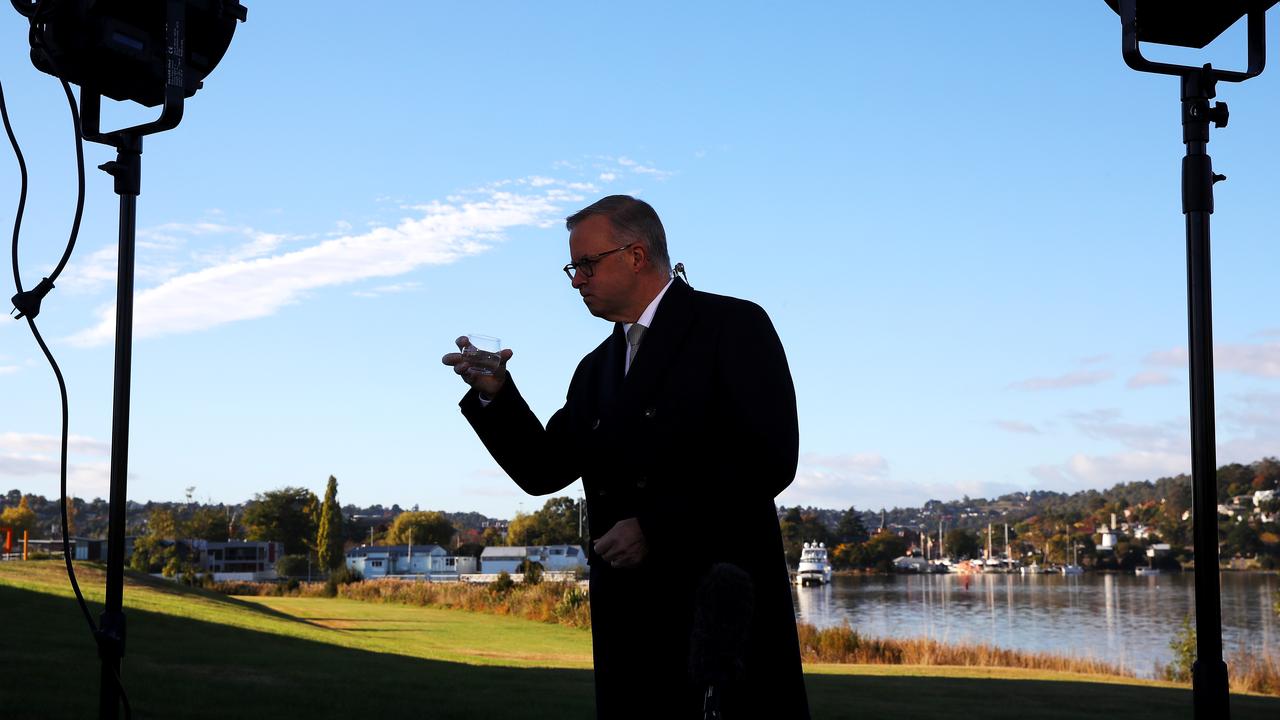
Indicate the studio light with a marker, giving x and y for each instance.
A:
(1192, 24)
(1189, 24)
(153, 52)
(121, 48)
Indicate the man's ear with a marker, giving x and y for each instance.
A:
(639, 254)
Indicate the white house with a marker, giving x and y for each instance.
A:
(503, 559)
(383, 560)
(554, 558)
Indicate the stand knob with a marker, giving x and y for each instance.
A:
(1218, 114)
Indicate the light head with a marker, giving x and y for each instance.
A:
(1190, 24)
(122, 48)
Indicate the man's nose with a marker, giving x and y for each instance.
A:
(579, 279)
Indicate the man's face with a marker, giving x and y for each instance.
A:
(609, 292)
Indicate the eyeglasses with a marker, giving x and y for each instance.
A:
(587, 263)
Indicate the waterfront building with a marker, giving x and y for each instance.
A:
(247, 560)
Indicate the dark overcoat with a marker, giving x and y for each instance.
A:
(695, 441)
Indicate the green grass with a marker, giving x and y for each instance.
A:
(192, 654)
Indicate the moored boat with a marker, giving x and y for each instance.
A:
(814, 568)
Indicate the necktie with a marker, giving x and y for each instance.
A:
(634, 334)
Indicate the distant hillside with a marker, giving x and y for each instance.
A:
(1233, 480)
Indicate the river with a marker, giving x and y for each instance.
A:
(1122, 619)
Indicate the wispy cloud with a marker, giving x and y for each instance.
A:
(1058, 382)
(640, 169)
(1017, 426)
(97, 270)
(1095, 359)
(864, 480)
(1253, 412)
(1082, 471)
(1106, 424)
(835, 480)
(243, 287)
(388, 289)
(1261, 361)
(34, 443)
(1149, 378)
(32, 455)
(9, 369)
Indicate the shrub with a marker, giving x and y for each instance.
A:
(1183, 646)
(532, 572)
(502, 585)
(291, 566)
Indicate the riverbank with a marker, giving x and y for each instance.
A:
(196, 654)
(568, 604)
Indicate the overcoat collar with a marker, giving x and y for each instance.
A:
(661, 342)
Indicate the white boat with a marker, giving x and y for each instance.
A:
(1032, 569)
(1141, 571)
(814, 568)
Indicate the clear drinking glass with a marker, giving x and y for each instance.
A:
(483, 352)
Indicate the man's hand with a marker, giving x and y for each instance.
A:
(488, 385)
(623, 546)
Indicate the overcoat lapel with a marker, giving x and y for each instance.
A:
(661, 344)
(611, 373)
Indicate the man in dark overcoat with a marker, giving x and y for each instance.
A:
(682, 425)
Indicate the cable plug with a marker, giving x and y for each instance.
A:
(28, 303)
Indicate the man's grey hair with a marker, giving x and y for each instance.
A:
(633, 220)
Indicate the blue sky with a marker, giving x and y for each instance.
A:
(964, 221)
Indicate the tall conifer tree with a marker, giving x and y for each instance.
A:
(329, 534)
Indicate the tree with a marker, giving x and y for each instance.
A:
(72, 509)
(206, 523)
(161, 524)
(850, 530)
(882, 548)
(329, 534)
(19, 518)
(417, 528)
(555, 524)
(287, 515)
(961, 543)
(799, 528)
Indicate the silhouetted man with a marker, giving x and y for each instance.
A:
(682, 426)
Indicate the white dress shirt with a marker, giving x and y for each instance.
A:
(646, 319)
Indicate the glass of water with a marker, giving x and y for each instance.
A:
(483, 353)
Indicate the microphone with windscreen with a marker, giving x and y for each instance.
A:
(721, 625)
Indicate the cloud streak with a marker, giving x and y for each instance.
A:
(1059, 382)
(245, 285)
(1262, 361)
(1017, 426)
(32, 455)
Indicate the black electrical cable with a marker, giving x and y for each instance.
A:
(62, 386)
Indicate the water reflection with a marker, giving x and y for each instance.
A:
(1117, 618)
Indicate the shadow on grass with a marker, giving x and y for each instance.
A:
(911, 698)
(169, 587)
(182, 668)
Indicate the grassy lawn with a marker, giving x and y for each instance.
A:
(192, 654)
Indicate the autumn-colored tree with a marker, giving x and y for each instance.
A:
(19, 518)
(416, 528)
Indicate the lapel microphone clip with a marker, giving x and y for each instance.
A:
(678, 271)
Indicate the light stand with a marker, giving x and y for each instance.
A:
(145, 51)
(1190, 24)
